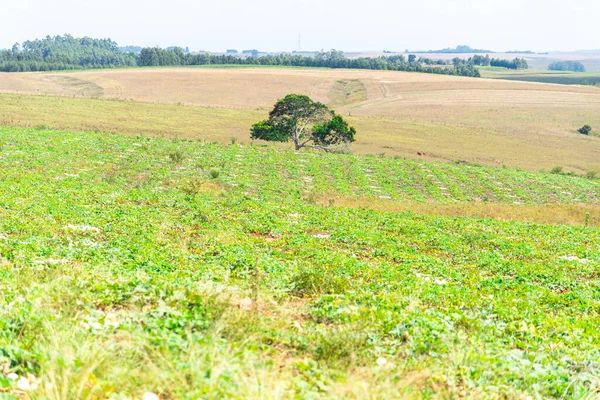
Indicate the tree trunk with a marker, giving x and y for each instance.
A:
(297, 144)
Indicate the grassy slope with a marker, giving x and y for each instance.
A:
(487, 121)
(376, 134)
(124, 268)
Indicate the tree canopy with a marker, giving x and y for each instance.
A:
(306, 123)
(574, 66)
(327, 59)
(485, 61)
(66, 52)
(63, 53)
(517, 63)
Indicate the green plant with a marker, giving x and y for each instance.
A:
(557, 170)
(233, 140)
(585, 130)
(214, 173)
(176, 156)
(591, 174)
(317, 281)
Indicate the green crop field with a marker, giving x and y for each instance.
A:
(189, 269)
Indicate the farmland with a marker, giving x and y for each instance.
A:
(203, 270)
(541, 76)
(442, 118)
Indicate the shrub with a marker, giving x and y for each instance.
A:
(591, 174)
(557, 170)
(214, 173)
(585, 130)
(574, 66)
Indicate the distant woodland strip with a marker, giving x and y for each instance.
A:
(65, 52)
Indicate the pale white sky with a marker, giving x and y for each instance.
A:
(349, 25)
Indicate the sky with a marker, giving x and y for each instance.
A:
(275, 25)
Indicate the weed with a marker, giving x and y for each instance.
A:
(176, 156)
(110, 174)
(339, 347)
(587, 219)
(214, 173)
(193, 186)
(317, 281)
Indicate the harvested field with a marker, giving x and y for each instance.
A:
(445, 118)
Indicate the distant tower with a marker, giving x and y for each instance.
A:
(299, 43)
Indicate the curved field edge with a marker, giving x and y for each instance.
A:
(127, 265)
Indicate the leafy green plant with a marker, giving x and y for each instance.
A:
(214, 173)
(585, 130)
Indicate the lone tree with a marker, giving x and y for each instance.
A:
(585, 130)
(306, 123)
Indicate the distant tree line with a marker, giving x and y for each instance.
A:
(486, 61)
(574, 66)
(517, 63)
(431, 61)
(331, 59)
(67, 53)
(64, 53)
(480, 60)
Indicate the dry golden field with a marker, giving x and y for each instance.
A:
(493, 122)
